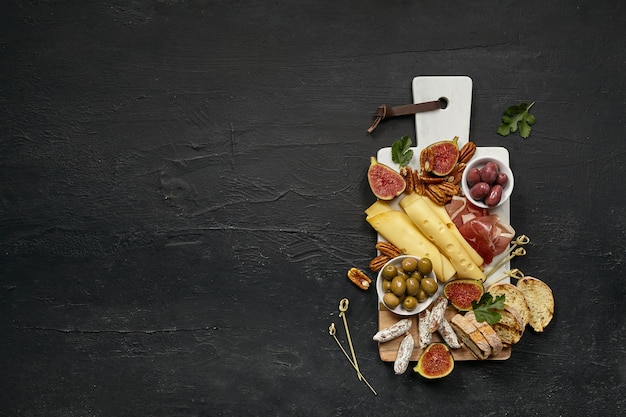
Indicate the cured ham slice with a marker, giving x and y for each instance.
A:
(485, 232)
(461, 210)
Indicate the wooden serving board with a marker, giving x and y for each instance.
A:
(389, 350)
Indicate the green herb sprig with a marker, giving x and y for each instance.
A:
(486, 309)
(515, 117)
(401, 152)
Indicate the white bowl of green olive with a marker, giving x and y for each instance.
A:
(407, 285)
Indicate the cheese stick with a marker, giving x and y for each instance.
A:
(396, 227)
(427, 221)
(443, 215)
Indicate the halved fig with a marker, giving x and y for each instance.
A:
(461, 292)
(436, 361)
(440, 158)
(386, 184)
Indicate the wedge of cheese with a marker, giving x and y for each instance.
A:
(427, 221)
(396, 227)
(443, 215)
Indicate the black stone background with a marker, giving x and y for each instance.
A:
(182, 186)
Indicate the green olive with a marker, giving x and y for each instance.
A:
(391, 300)
(416, 275)
(422, 296)
(412, 286)
(409, 303)
(402, 274)
(398, 286)
(386, 285)
(389, 272)
(409, 265)
(425, 266)
(429, 285)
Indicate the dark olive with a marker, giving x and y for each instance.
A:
(425, 266)
(409, 265)
(391, 300)
(473, 176)
(390, 271)
(429, 285)
(502, 179)
(489, 173)
(398, 286)
(409, 303)
(479, 190)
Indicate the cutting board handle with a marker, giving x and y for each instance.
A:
(454, 120)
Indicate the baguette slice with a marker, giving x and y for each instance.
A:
(487, 331)
(510, 328)
(471, 337)
(540, 301)
(513, 297)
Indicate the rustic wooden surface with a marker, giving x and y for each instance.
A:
(182, 186)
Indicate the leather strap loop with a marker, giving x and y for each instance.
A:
(385, 112)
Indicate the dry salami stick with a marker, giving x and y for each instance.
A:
(404, 354)
(425, 336)
(391, 332)
(436, 313)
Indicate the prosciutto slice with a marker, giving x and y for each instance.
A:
(485, 232)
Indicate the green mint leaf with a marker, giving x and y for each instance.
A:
(517, 118)
(401, 152)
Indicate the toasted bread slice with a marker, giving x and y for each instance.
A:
(510, 328)
(513, 297)
(487, 331)
(471, 337)
(540, 301)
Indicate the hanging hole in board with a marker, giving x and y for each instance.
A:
(444, 102)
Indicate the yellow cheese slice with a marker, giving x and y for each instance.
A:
(437, 232)
(397, 228)
(443, 215)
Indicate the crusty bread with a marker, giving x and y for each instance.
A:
(540, 301)
(471, 337)
(513, 297)
(487, 331)
(510, 328)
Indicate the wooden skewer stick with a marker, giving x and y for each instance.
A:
(513, 273)
(333, 331)
(343, 307)
(511, 253)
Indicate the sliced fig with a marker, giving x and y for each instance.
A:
(436, 361)
(386, 184)
(440, 158)
(461, 292)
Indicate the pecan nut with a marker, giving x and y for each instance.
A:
(388, 249)
(359, 278)
(377, 263)
(437, 195)
(466, 152)
(407, 173)
(457, 173)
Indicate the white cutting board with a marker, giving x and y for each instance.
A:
(445, 124)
